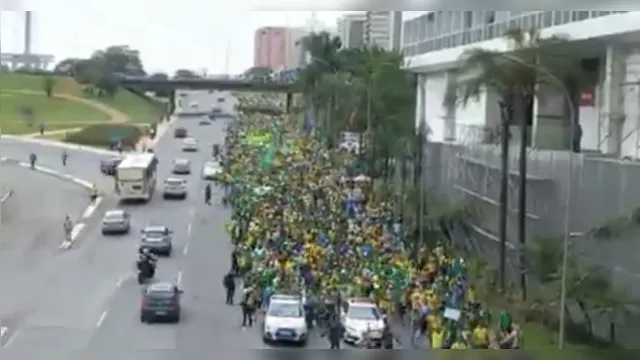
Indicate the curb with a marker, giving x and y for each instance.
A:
(47, 142)
(88, 212)
(6, 196)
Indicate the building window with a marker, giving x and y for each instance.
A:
(438, 24)
(468, 19)
(490, 17)
(421, 24)
(580, 15)
(547, 19)
(566, 17)
(430, 16)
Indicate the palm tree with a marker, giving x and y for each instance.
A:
(516, 77)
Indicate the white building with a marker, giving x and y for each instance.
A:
(378, 28)
(608, 41)
(351, 29)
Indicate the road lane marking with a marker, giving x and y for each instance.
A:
(3, 331)
(76, 231)
(185, 249)
(121, 279)
(102, 317)
(179, 279)
(11, 339)
(189, 229)
(77, 228)
(91, 208)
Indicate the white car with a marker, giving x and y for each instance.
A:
(360, 316)
(175, 188)
(194, 105)
(210, 170)
(189, 144)
(284, 321)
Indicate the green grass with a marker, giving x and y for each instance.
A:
(54, 113)
(62, 113)
(138, 110)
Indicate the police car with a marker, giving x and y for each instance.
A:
(284, 320)
(360, 316)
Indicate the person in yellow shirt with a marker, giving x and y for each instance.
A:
(480, 336)
(437, 337)
(459, 343)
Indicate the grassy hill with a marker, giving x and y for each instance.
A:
(24, 105)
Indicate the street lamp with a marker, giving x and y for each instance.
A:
(567, 200)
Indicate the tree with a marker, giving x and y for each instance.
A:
(258, 72)
(185, 74)
(515, 77)
(67, 66)
(159, 76)
(48, 84)
(120, 60)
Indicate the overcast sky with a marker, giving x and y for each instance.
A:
(195, 34)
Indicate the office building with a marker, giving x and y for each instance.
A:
(351, 29)
(395, 30)
(278, 47)
(433, 41)
(377, 30)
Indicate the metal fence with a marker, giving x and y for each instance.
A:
(602, 190)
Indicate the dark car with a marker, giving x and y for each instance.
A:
(158, 239)
(109, 166)
(160, 300)
(180, 133)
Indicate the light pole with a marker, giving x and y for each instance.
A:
(567, 200)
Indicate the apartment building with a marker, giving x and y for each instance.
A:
(351, 29)
(378, 28)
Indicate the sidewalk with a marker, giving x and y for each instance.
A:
(146, 142)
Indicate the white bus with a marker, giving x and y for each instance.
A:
(136, 177)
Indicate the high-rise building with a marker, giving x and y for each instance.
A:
(377, 30)
(351, 29)
(270, 45)
(278, 47)
(395, 30)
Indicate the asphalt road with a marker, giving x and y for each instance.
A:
(92, 298)
(29, 238)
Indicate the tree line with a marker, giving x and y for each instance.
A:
(367, 91)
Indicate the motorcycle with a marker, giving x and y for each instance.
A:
(145, 272)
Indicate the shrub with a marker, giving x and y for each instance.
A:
(105, 135)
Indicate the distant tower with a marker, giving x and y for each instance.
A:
(27, 32)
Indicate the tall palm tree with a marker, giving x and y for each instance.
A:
(516, 77)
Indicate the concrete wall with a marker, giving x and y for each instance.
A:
(602, 190)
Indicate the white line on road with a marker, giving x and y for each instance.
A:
(11, 339)
(185, 249)
(121, 279)
(76, 231)
(102, 317)
(91, 208)
(189, 229)
(179, 279)
(74, 235)
(3, 330)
